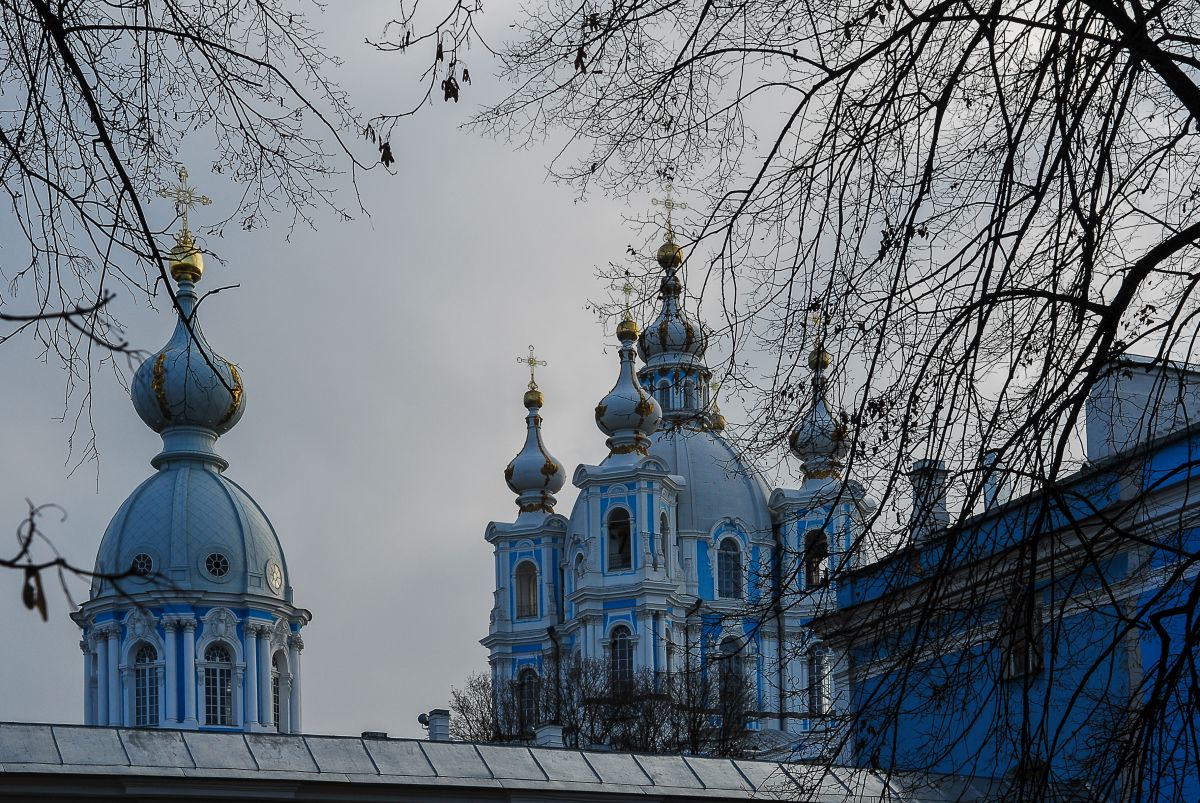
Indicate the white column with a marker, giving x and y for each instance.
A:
(160, 679)
(251, 632)
(295, 645)
(189, 673)
(114, 678)
(101, 690)
(239, 674)
(265, 714)
(127, 693)
(89, 711)
(170, 672)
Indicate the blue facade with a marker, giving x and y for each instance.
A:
(1045, 640)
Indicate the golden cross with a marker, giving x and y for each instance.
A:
(669, 205)
(533, 362)
(627, 290)
(185, 197)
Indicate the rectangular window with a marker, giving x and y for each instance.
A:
(1024, 653)
(817, 700)
(145, 698)
(218, 695)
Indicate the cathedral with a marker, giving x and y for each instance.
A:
(190, 621)
(675, 545)
(676, 556)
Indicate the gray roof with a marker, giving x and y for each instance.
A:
(41, 759)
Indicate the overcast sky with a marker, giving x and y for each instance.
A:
(384, 401)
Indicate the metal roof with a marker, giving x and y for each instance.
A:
(53, 757)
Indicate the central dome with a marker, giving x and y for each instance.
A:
(720, 484)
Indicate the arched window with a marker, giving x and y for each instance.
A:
(528, 689)
(527, 594)
(663, 391)
(689, 394)
(620, 548)
(816, 556)
(818, 696)
(218, 686)
(145, 687)
(620, 657)
(734, 699)
(729, 570)
(280, 692)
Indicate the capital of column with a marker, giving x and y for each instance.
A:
(295, 641)
(85, 646)
(260, 631)
(184, 622)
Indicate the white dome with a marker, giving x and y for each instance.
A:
(178, 518)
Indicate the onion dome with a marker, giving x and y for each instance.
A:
(534, 475)
(628, 414)
(821, 437)
(186, 391)
(672, 332)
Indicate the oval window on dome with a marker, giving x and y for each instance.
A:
(142, 565)
(216, 564)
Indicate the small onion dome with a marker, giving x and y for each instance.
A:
(186, 383)
(672, 332)
(628, 414)
(716, 420)
(669, 255)
(534, 475)
(821, 438)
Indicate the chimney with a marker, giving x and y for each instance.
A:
(439, 725)
(548, 734)
(929, 514)
(996, 490)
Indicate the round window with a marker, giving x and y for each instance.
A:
(143, 565)
(216, 564)
(274, 575)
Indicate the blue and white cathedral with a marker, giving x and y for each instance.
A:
(190, 622)
(676, 550)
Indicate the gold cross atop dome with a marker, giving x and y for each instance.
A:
(185, 197)
(627, 291)
(670, 205)
(669, 255)
(533, 362)
(187, 263)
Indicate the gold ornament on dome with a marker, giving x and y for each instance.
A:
(158, 383)
(235, 392)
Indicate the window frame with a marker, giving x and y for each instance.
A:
(611, 539)
(620, 656)
(526, 588)
(218, 680)
(816, 568)
(145, 687)
(730, 571)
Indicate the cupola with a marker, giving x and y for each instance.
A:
(821, 438)
(628, 414)
(534, 475)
